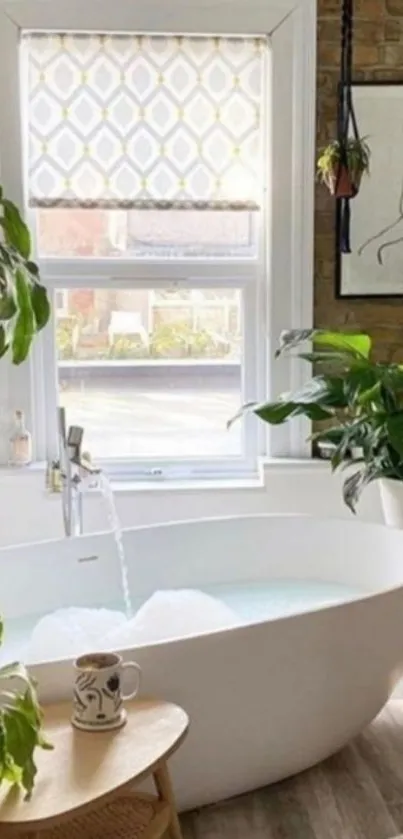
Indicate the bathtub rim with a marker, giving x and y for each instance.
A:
(361, 597)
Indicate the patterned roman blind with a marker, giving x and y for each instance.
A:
(145, 122)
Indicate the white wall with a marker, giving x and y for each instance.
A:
(27, 513)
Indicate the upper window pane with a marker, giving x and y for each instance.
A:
(136, 233)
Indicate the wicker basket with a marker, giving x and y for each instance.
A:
(134, 816)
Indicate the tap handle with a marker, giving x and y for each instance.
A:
(74, 441)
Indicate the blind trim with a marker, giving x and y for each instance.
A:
(140, 204)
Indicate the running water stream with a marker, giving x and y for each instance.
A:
(113, 518)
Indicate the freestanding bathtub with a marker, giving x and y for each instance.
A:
(267, 699)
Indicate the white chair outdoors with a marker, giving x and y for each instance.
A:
(127, 323)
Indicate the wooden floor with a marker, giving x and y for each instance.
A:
(356, 794)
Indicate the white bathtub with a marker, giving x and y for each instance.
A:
(265, 700)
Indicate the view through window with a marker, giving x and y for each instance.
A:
(151, 373)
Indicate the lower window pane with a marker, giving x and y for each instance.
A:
(152, 374)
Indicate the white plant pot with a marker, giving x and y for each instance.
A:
(392, 502)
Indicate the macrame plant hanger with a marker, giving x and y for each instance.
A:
(346, 186)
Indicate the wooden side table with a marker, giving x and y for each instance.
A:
(84, 788)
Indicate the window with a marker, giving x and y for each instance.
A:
(151, 165)
(150, 148)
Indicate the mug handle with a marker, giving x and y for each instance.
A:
(125, 666)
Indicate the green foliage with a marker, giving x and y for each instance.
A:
(64, 338)
(170, 340)
(24, 303)
(126, 347)
(20, 726)
(358, 157)
(356, 402)
(179, 340)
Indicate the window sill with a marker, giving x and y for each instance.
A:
(267, 467)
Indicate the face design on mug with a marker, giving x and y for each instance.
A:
(97, 702)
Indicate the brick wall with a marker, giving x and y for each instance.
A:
(378, 54)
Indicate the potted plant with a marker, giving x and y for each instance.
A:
(20, 726)
(24, 310)
(343, 180)
(24, 304)
(356, 404)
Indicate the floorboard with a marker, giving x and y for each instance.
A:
(355, 794)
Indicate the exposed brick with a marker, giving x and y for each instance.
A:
(328, 54)
(328, 8)
(369, 31)
(369, 9)
(329, 30)
(367, 55)
(393, 55)
(380, 74)
(393, 29)
(327, 83)
(323, 246)
(394, 7)
(378, 55)
(324, 224)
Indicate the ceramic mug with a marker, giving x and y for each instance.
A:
(98, 695)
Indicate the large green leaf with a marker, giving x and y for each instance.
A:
(20, 726)
(21, 740)
(3, 341)
(317, 357)
(24, 328)
(276, 413)
(355, 484)
(361, 383)
(40, 305)
(15, 229)
(8, 306)
(357, 345)
(394, 425)
(322, 390)
(291, 338)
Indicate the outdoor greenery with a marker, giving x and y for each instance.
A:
(356, 403)
(24, 304)
(167, 340)
(20, 726)
(358, 159)
(126, 348)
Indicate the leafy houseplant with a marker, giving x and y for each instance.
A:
(343, 180)
(24, 310)
(24, 304)
(20, 726)
(356, 403)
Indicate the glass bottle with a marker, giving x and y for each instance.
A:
(20, 441)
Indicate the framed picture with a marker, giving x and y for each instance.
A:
(374, 268)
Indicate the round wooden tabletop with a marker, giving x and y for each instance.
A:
(89, 766)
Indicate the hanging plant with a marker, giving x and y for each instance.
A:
(24, 303)
(341, 169)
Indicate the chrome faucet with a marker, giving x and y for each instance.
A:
(77, 474)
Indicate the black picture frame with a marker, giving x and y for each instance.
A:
(339, 294)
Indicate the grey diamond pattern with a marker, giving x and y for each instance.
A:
(134, 121)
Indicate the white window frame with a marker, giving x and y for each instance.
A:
(285, 296)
